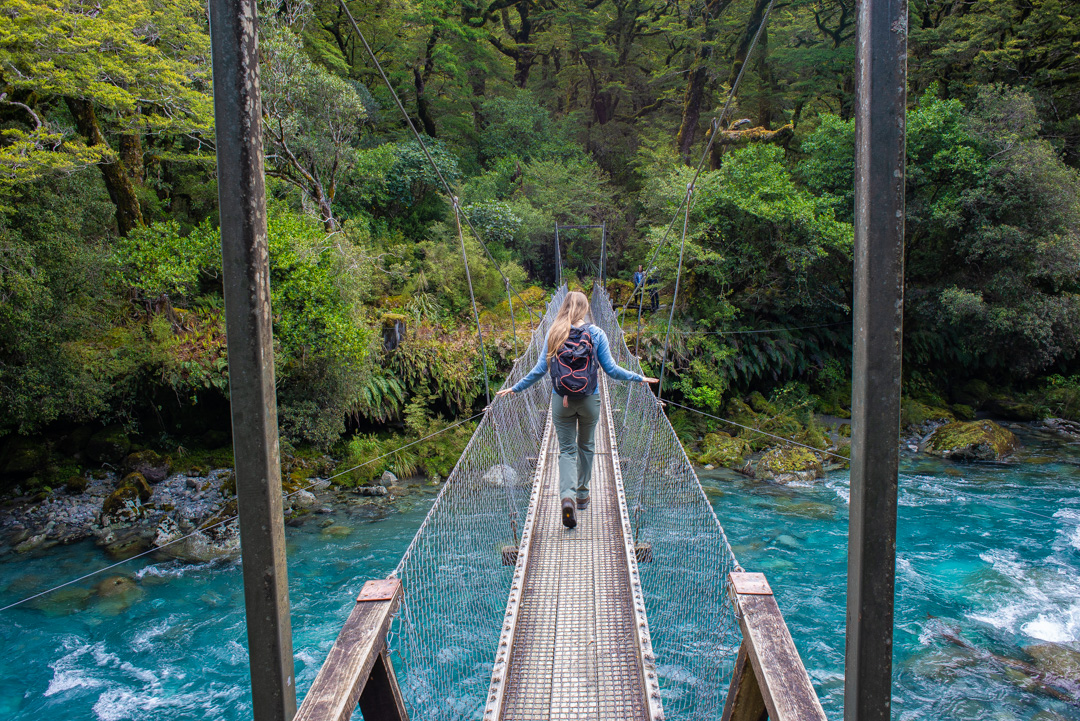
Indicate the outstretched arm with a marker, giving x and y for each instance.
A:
(538, 372)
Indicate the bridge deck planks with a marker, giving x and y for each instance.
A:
(576, 645)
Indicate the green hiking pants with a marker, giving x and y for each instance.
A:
(575, 425)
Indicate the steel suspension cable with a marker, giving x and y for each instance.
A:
(424, 148)
(472, 299)
(675, 297)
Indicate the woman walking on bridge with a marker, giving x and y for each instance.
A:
(574, 350)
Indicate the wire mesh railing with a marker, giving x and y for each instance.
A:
(454, 582)
(695, 632)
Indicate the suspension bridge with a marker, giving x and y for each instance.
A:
(498, 611)
(642, 611)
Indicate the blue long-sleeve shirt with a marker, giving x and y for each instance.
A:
(603, 354)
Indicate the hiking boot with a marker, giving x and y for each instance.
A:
(569, 517)
(583, 503)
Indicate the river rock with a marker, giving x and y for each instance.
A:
(167, 532)
(109, 445)
(125, 543)
(500, 475)
(154, 467)
(31, 543)
(372, 491)
(76, 485)
(1055, 659)
(115, 586)
(789, 464)
(123, 503)
(304, 499)
(388, 479)
(220, 542)
(1061, 426)
(972, 441)
(721, 449)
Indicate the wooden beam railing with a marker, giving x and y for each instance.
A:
(358, 669)
(769, 680)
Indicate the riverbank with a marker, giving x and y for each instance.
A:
(988, 553)
(190, 514)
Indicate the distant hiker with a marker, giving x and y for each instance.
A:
(574, 350)
(653, 285)
(639, 278)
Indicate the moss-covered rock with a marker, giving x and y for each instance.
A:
(76, 484)
(132, 491)
(154, 467)
(228, 484)
(109, 445)
(115, 586)
(721, 449)
(785, 464)
(974, 393)
(972, 441)
(963, 412)
(1012, 409)
(915, 413)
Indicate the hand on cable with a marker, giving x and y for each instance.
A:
(504, 392)
(647, 380)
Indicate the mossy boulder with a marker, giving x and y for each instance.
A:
(153, 466)
(972, 441)
(915, 413)
(228, 484)
(1012, 409)
(973, 393)
(721, 449)
(785, 464)
(109, 445)
(131, 491)
(116, 586)
(963, 412)
(76, 485)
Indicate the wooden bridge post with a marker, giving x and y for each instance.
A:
(358, 668)
(246, 266)
(880, 107)
(769, 679)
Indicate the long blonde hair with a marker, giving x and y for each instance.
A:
(573, 308)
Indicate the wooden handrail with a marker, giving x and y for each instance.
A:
(769, 680)
(358, 669)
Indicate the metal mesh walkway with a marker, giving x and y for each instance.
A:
(575, 644)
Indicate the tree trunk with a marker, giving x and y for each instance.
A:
(767, 82)
(117, 179)
(420, 78)
(423, 109)
(743, 50)
(131, 155)
(696, 81)
(695, 91)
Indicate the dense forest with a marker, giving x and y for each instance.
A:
(578, 112)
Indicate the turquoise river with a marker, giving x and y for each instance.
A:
(988, 568)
